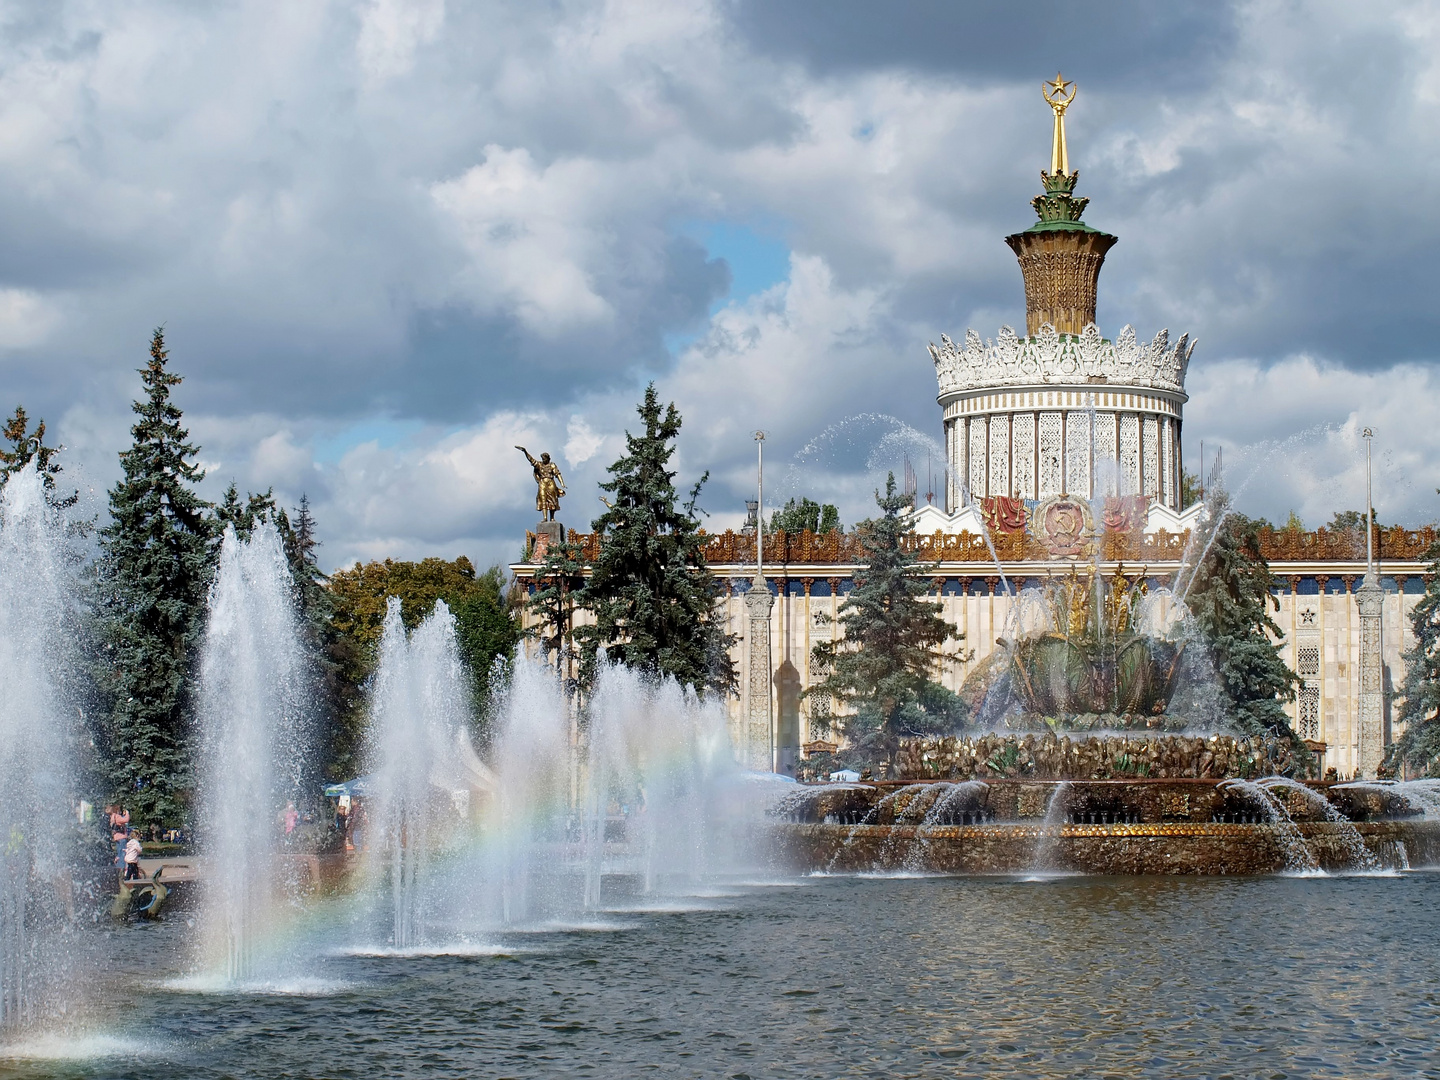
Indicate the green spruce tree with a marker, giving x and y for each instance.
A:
(1417, 751)
(1230, 594)
(651, 594)
(27, 446)
(883, 669)
(157, 559)
(244, 516)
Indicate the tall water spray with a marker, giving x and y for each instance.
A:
(418, 739)
(656, 801)
(254, 732)
(662, 757)
(531, 813)
(34, 760)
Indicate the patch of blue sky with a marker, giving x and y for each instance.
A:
(384, 431)
(757, 254)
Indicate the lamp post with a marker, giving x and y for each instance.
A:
(1370, 598)
(760, 714)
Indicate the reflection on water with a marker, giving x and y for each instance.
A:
(835, 976)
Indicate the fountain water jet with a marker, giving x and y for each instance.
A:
(658, 751)
(418, 731)
(532, 761)
(254, 733)
(35, 770)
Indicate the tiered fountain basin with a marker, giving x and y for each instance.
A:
(1131, 826)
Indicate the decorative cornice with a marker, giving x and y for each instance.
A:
(1059, 207)
(1053, 359)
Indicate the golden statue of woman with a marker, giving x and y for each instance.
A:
(549, 484)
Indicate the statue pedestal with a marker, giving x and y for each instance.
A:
(547, 533)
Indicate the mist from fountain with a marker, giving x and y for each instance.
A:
(1214, 512)
(35, 766)
(254, 735)
(532, 817)
(658, 749)
(1424, 794)
(656, 800)
(1421, 796)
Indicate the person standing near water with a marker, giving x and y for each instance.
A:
(132, 857)
(119, 829)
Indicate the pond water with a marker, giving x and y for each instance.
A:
(826, 977)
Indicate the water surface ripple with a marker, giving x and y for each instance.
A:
(842, 977)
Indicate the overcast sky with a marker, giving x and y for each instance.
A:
(389, 240)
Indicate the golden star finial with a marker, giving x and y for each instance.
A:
(1058, 95)
(1055, 91)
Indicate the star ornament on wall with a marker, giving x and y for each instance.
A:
(1307, 617)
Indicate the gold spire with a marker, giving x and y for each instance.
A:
(1056, 96)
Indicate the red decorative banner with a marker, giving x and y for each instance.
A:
(1003, 513)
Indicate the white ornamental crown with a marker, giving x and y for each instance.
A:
(1050, 358)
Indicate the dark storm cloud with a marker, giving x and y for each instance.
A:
(1130, 44)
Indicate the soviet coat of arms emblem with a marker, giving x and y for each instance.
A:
(1063, 524)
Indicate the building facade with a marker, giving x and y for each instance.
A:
(809, 577)
(1063, 453)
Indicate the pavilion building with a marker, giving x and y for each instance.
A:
(1063, 451)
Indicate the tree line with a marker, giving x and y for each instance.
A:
(145, 598)
(652, 601)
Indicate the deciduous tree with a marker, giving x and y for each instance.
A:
(806, 514)
(485, 625)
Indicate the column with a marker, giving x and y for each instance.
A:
(759, 719)
(1370, 599)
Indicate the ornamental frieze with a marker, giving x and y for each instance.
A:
(1052, 358)
(1117, 537)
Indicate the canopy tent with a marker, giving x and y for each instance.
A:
(361, 786)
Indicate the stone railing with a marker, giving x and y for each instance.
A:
(1050, 358)
(789, 549)
(1344, 545)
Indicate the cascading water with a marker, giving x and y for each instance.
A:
(254, 731)
(35, 774)
(951, 804)
(418, 732)
(1423, 793)
(1358, 856)
(1299, 859)
(1047, 843)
